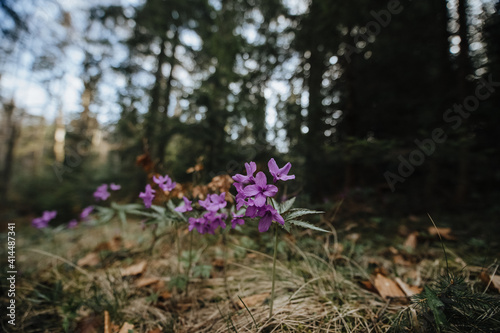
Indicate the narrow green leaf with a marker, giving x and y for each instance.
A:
(305, 224)
(298, 212)
(160, 210)
(141, 213)
(123, 217)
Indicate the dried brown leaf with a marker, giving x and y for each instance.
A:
(91, 259)
(387, 287)
(146, 281)
(400, 260)
(411, 240)
(492, 280)
(444, 232)
(135, 269)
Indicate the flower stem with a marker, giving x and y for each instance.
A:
(274, 268)
(190, 261)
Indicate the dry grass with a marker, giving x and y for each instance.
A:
(316, 291)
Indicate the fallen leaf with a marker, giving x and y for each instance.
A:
(136, 269)
(387, 287)
(126, 327)
(91, 259)
(492, 280)
(411, 240)
(165, 295)
(400, 260)
(145, 281)
(407, 289)
(444, 232)
(251, 301)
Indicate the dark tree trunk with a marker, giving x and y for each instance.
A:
(12, 132)
(151, 125)
(163, 133)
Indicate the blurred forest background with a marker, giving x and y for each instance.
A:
(97, 91)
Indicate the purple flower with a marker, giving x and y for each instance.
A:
(165, 183)
(43, 221)
(261, 190)
(250, 168)
(102, 193)
(86, 212)
(215, 220)
(237, 220)
(114, 187)
(72, 224)
(186, 207)
(268, 214)
(200, 224)
(147, 196)
(214, 202)
(39, 223)
(277, 173)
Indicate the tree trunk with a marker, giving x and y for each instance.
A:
(163, 134)
(12, 132)
(151, 124)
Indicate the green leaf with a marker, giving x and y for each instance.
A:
(298, 212)
(285, 206)
(140, 212)
(305, 224)
(160, 210)
(179, 281)
(436, 307)
(123, 217)
(171, 206)
(285, 226)
(275, 204)
(202, 271)
(105, 214)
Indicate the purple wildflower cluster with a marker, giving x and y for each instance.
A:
(165, 183)
(102, 191)
(253, 192)
(43, 221)
(212, 219)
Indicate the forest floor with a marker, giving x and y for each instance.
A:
(357, 278)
